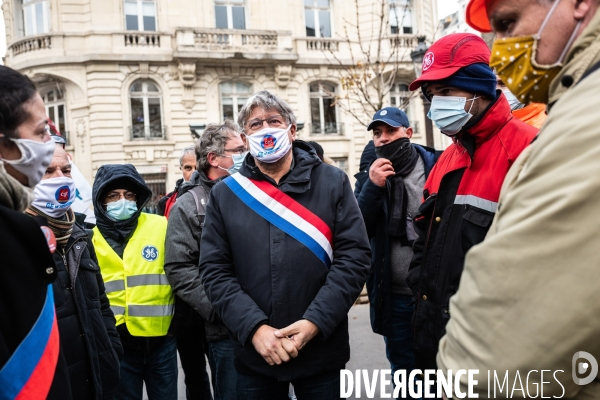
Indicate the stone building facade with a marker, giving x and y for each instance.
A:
(125, 79)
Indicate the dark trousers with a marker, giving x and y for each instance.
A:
(190, 346)
(399, 346)
(324, 386)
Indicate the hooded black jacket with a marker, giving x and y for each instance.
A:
(254, 273)
(118, 233)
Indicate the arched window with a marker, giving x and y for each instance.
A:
(323, 111)
(233, 97)
(146, 110)
(54, 100)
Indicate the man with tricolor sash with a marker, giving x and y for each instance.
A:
(284, 256)
(129, 246)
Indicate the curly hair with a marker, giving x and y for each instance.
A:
(15, 90)
(213, 141)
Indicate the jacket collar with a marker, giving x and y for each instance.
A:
(491, 121)
(584, 53)
(198, 178)
(298, 179)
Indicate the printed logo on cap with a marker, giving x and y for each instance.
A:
(63, 194)
(428, 61)
(384, 112)
(268, 142)
(150, 253)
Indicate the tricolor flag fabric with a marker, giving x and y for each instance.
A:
(285, 213)
(29, 372)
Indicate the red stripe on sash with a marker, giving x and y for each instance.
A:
(40, 381)
(296, 207)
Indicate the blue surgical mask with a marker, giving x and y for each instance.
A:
(448, 113)
(238, 160)
(121, 210)
(513, 102)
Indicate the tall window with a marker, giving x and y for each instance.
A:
(401, 17)
(140, 15)
(54, 100)
(400, 97)
(36, 17)
(146, 110)
(318, 18)
(233, 97)
(230, 14)
(322, 109)
(157, 182)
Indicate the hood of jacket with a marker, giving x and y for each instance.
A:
(118, 230)
(298, 181)
(584, 53)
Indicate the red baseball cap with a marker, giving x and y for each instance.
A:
(477, 16)
(449, 54)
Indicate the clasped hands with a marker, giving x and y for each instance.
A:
(280, 345)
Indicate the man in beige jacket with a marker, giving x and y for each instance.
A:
(529, 297)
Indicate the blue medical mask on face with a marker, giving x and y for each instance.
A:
(121, 209)
(238, 160)
(448, 113)
(513, 102)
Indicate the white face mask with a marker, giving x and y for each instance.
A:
(54, 196)
(270, 144)
(514, 103)
(35, 158)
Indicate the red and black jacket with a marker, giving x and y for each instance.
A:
(461, 196)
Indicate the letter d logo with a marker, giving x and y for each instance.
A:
(584, 367)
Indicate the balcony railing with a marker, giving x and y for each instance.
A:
(148, 132)
(226, 37)
(320, 44)
(142, 39)
(31, 44)
(403, 41)
(328, 129)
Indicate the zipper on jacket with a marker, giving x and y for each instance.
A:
(430, 225)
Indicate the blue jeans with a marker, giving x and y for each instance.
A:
(220, 358)
(324, 386)
(158, 369)
(399, 347)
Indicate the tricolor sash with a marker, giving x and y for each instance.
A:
(285, 213)
(29, 372)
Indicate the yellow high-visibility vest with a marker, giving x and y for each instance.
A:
(136, 286)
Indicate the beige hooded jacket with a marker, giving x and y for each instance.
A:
(529, 296)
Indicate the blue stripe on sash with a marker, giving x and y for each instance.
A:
(278, 221)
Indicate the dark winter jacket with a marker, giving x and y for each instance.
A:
(375, 204)
(254, 273)
(26, 270)
(86, 324)
(118, 233)
(164, 205)
(182, 256)
(366, 159)
(461, 196)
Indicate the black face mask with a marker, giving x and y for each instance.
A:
(400, 152)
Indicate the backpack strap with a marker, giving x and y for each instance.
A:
(200, 198)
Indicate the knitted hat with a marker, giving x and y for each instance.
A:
(475, 78)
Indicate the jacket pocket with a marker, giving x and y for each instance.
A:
(475, 226)
(87, 275)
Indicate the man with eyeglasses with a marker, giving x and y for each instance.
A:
(219, 153)
(129, 246)
(284, 256)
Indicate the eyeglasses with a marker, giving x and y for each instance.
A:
(274, 121)
(115, 196)
(239, 150)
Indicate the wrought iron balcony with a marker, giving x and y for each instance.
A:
(151, 132)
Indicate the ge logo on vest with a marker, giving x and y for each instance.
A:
(150, 253)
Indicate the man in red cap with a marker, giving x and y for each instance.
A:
(461, 193)
(528, 299)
